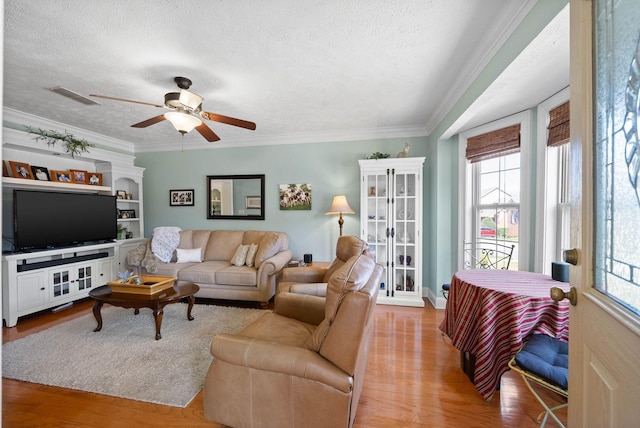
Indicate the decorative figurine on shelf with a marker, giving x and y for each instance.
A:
(408, 260)
(409, 283)
(405, 152)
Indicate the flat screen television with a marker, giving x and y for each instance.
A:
(56, 219)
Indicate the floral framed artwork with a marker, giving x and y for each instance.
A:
(295, 197)
(21, 170)
(181, 198)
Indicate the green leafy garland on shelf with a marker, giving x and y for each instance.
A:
(73, 145)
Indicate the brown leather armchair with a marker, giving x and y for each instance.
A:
(302, 364)
(313, 279)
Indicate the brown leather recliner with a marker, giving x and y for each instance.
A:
(313, 279)
(301, 365)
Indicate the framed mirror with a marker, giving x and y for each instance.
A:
(238, 197)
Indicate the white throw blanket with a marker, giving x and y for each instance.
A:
(164, 242)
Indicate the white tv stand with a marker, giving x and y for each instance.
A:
(40, 280)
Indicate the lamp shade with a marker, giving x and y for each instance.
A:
(190, 100)
(183, 122)
(340, 206)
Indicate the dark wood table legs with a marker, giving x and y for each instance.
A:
(155, 302)
(96, 313)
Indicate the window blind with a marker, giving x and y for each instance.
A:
(493, 144)
(558, 125)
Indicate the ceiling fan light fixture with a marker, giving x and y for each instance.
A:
(190, 100)
(183, 122)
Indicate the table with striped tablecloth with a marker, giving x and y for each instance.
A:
(489, 314)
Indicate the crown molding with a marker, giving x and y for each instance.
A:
(19, 118)
(297, 138)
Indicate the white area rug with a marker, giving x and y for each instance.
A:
(124, 359)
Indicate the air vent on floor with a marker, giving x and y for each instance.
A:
(73, 95)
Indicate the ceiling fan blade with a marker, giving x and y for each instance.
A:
(228, 120)
(149, 122)
(207, 133)
(125, 100)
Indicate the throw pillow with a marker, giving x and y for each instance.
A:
(269, 247)
(251, 254)
(189, 255)
(240, 256)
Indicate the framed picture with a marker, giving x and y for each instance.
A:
(127, 213)
(5, 170)
(252, 202)
(21, 170)
(94, 178)
(78, 176)
(295, 197)
(181, 198)
(40, 173)
(121, 194)
(61, 176)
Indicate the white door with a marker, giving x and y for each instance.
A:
(604, 343)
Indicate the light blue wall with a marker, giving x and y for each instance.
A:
(443, 196)
(331, 168)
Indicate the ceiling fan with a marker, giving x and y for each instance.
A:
(186, 112)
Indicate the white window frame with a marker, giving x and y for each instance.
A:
(465, 201)
(547, 243)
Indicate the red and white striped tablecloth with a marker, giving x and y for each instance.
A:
(489, 313)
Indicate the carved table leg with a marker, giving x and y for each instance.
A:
(96, 313)
(192, 300)
(157, 314)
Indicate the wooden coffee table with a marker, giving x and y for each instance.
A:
(155, 302)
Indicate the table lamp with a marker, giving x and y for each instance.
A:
(340, 206)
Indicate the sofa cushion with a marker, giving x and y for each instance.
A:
(349, 278)
(172, 269)
(200, 239)
(236, 275)
(204, 272)
(279, 329)
(188, 255)
(251, 255)
(253, 236)
(222, 244)
(240, 256)
(186, 239)
(268, 247)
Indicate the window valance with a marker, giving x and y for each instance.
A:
(559, 125)
(496, 143)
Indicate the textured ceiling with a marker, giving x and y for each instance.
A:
(301, 70)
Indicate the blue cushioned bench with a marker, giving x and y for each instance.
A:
(544, 360)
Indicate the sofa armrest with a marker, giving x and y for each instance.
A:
(301, 307)
(304, 274)
(274, 264)
(274, 357)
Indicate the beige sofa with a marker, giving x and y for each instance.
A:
(302, 365)
(216, 276)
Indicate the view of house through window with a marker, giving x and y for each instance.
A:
(496, 204)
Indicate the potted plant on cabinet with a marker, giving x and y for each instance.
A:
(122, 231)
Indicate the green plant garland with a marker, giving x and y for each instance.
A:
(73, 145)
(379, 155)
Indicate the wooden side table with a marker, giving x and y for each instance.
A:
(318, 264)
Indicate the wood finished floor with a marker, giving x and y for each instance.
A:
(413, 380)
